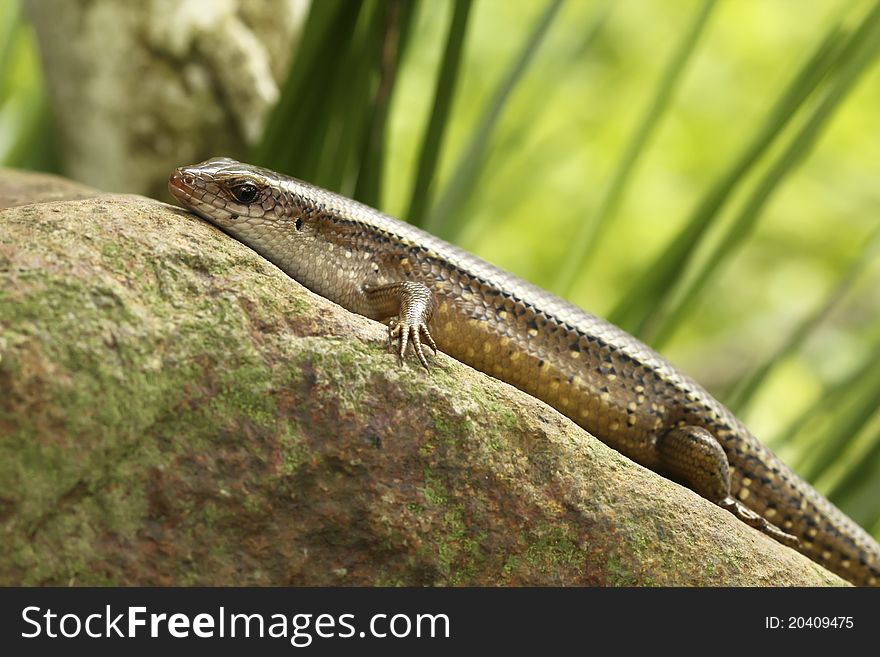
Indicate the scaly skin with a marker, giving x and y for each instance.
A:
(604, 379)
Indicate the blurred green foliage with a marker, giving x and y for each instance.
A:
(703, 172)
(26, 138)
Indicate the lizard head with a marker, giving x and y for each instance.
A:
(227, 193)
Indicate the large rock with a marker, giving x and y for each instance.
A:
(175, 410)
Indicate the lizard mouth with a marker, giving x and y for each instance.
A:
(181, 185)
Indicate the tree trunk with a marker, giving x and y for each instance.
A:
(141, 87)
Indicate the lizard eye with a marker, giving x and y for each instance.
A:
(244, 193)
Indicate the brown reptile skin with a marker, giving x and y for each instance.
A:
(608, 382)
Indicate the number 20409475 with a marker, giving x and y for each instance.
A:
(809, 623)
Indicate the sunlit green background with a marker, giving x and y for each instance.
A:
(611, 123)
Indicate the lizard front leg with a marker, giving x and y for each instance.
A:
(410, 305)
(692, 455)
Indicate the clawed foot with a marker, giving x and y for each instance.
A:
(411, 333)
(752, 519)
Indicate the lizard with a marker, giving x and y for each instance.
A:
(434, 295)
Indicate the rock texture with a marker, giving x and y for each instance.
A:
(175, 410)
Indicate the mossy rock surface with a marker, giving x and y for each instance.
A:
(175, 410)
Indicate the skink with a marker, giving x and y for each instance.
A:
(440, 297)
